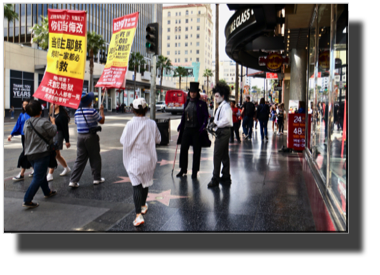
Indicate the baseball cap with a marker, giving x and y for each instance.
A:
(87, 98)
(139, 101)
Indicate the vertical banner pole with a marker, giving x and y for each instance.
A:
(105, 90)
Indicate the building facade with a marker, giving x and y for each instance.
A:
(187, 33)
(20, 50)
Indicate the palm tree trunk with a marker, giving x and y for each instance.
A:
(91, 70)
(162, 71)
(207, 87)
(135, 80)
(180, 82)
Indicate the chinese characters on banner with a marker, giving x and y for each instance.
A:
(124, 29)
(296, 131)
(66, 58)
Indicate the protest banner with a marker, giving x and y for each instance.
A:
(66, 58)
(123, 34)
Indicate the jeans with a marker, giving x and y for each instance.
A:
(40, 167)
(247, 126)
(263, 128)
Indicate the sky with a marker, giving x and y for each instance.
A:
(224, 15)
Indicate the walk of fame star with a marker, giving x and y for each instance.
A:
(199, 172)
(123, 179)
(164, 162)
(164, 197)
(209, 158)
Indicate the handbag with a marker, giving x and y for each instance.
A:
(52, 146)
(92, 130)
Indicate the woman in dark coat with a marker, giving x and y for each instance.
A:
(192, 130)
(263, 116)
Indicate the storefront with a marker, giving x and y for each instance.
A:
(310, 43)
(327, 99)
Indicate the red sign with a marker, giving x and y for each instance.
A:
(296, 131)
(271, 76)
(66, 58)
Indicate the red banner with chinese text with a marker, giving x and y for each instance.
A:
(66, 58)
(124, 29)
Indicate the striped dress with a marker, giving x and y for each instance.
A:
(139, 140)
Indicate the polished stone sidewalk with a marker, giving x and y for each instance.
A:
(268, 193)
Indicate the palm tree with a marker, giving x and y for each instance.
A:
(9, 12)
(136, 59)
(222, 81)
(207, 73)
(41, 33)
(179, 72)
(163, 63)
(95, 42)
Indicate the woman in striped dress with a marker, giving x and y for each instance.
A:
(139, 140)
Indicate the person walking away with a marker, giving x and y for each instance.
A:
(248, 114)
(280, 119)
(273, 114)
(221, 124)
(139, 140)
(12, 111)
(192, 130)
(301, 107)
(88, 145)
(18, 129)
(236, 122)
(38, 133)
(263, 116)
(62, 120)
(255, 118)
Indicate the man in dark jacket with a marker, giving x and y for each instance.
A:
(248, 114)
(263, 116)
(192, 130)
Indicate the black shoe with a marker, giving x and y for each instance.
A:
(239, 140)
(212, 183)
(18, 178)
(52, 193)
(181, 174)
(225, 181)
(30, 204)
(194, 175)
(266, 137)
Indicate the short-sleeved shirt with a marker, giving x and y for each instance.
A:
(249, 109)
(92, 117)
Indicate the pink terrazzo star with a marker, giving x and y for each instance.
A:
(123, 179)
(199, 172)
(209, 158)
(164, 197)
(164, 162)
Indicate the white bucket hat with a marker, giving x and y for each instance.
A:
(139, 101)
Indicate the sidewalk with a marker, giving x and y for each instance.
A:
(268, 193)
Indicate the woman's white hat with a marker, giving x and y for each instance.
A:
(139, 101)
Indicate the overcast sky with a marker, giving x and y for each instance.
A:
(224, 15)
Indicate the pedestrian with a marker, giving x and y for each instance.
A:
(301, 107)
(12, 111)
(236, 114)
(62, 120)
(273, 114)
(139, 140)
(281, 119)
(18, 129)
(192, 130)
(255, 118)
(248, 110)
(263, 116)
(88, 145)
(221, 124)
(39, 133)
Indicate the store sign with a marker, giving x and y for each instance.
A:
(240, 19)
(273, 61)
(66, 58)
(124, 29)
(271, 76)
(21, 91)
(296, 131)
(324, 60)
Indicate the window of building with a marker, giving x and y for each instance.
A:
(175, 52)
(191, 51)
(187, 12)
(168, 13)
(191, 35)
(197, 59)
(176, 14)
(186, 44)
(191, 59)
(175, 45)
(175, 37)
(179, 21)
(179, 29)
(168, 22)
(197, 35)
(168, 29)
(186, 52)
(197, 51)
(191, 12)
(179, 59)
(198, 20)
(176, 29)
(191, 19)
(186, 60)
(186, 29)
(199, 12)
(168, 53)
(175, 60)
(179, 14)
(179, 37)
(186, 36)
(197, 43)
(198, 28)
(168, 45)
(179, 44)
(168, 37)
(186, 20)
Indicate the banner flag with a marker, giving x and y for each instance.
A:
(123, 34)
(66, 58)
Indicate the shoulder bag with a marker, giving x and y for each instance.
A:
(52, 146)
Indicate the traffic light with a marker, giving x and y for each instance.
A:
(152, 38)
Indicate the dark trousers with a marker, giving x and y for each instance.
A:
(235, 129)
(139, 197)
(190, 134)
(23, 161)
(247, 126)
(263, 128)
(40, 167)
(221, 154)
(88, 147)
(280, 123)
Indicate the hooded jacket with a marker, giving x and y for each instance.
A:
(33, 143)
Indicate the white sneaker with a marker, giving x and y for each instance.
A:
(139, 220)
(144, 209)
(49, 177)
(31, 174)
(65, 171)
(74, 184)
(99, 181)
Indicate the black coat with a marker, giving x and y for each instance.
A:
(263, 112)
(202, 119)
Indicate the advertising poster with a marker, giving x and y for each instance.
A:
(296, 131)
(124, 29)
(293, 106)
(66, 58)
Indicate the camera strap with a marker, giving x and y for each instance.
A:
(85, 119)
(39, 134)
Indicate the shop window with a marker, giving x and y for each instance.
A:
(21, 87)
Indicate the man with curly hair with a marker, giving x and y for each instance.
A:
(222, 125)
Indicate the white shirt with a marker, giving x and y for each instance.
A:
(139, 140)
(223, 115)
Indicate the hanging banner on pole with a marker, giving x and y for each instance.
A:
(114, 72)
(66, 58)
